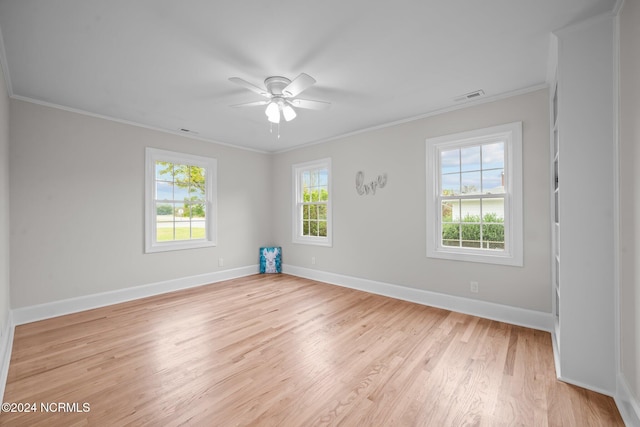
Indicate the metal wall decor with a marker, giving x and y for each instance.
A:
(370, 187)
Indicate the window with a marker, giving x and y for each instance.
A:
(474, 195)
(312, 202)
(180, 193)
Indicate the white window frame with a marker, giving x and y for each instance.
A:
(210, 165)
(297, 170)
(512, 255)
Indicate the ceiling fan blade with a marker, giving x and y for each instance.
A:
(245, 84)
(309, 104)
(299, 84)
(251, 104)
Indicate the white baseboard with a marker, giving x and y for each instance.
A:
(503, 313)
(556, 353)
(73, 305)
(6, 345)
(586, 386)
(628, 405)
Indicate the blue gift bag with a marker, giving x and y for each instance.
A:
(271, 260)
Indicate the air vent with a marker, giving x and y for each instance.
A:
(183, 130)
(470, 95)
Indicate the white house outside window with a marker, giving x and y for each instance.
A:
(180, 194)
(312, 202)
(474, 195)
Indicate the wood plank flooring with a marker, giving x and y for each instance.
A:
(276, 350)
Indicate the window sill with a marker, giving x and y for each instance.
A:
(476, 256)
(178, 246)
(313, 241)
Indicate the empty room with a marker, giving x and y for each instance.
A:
(296, 213)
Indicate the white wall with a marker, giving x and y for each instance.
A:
(4, 206)
(382, 237)
(77, 206)
(630, 196)
(586, 77)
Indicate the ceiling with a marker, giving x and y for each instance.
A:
(166, 64)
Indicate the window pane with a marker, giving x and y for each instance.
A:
(492, 181)
(322, 228)
(198, 230)
(450, 234)
(470, 158)
(164, 212)
(324, 178)
(306, 180)
(164, 171)
(195, 192)
(470, 235)
(450, 185)
(450, 161)
(324, 193)
(322, 212)
(181, 213)
(305, 228)
(197, 175)
(182, 229)
(450, 210)
(493, 236)
(313, 228)
(181, 174)
(493, 210)
(470, 183)
(164, 231)
(195, 210)
(181, 191)
(493, 156)
(164, 190)
(470, 210)
(313, 212)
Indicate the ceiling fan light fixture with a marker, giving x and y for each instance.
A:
(288, 112)
(272, 109)
(275, 118)
(273, 112)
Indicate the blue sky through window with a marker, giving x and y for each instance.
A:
(472, 170)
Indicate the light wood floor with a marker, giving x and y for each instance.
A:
(276, 350)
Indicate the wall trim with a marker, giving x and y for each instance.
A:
(131, 123)
(488, 310)
(436, 112)
(73, 305)
(559, 377)
(6, 345)
(627, 404)
(584, 385)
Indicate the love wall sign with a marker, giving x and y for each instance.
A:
(363, 187)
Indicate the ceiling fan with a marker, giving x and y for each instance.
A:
(280, 94)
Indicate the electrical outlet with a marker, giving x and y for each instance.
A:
(313, 260)
(474, 287)
(220, 262)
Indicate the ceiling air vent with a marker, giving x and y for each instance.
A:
(470, 95)
(183, 130)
